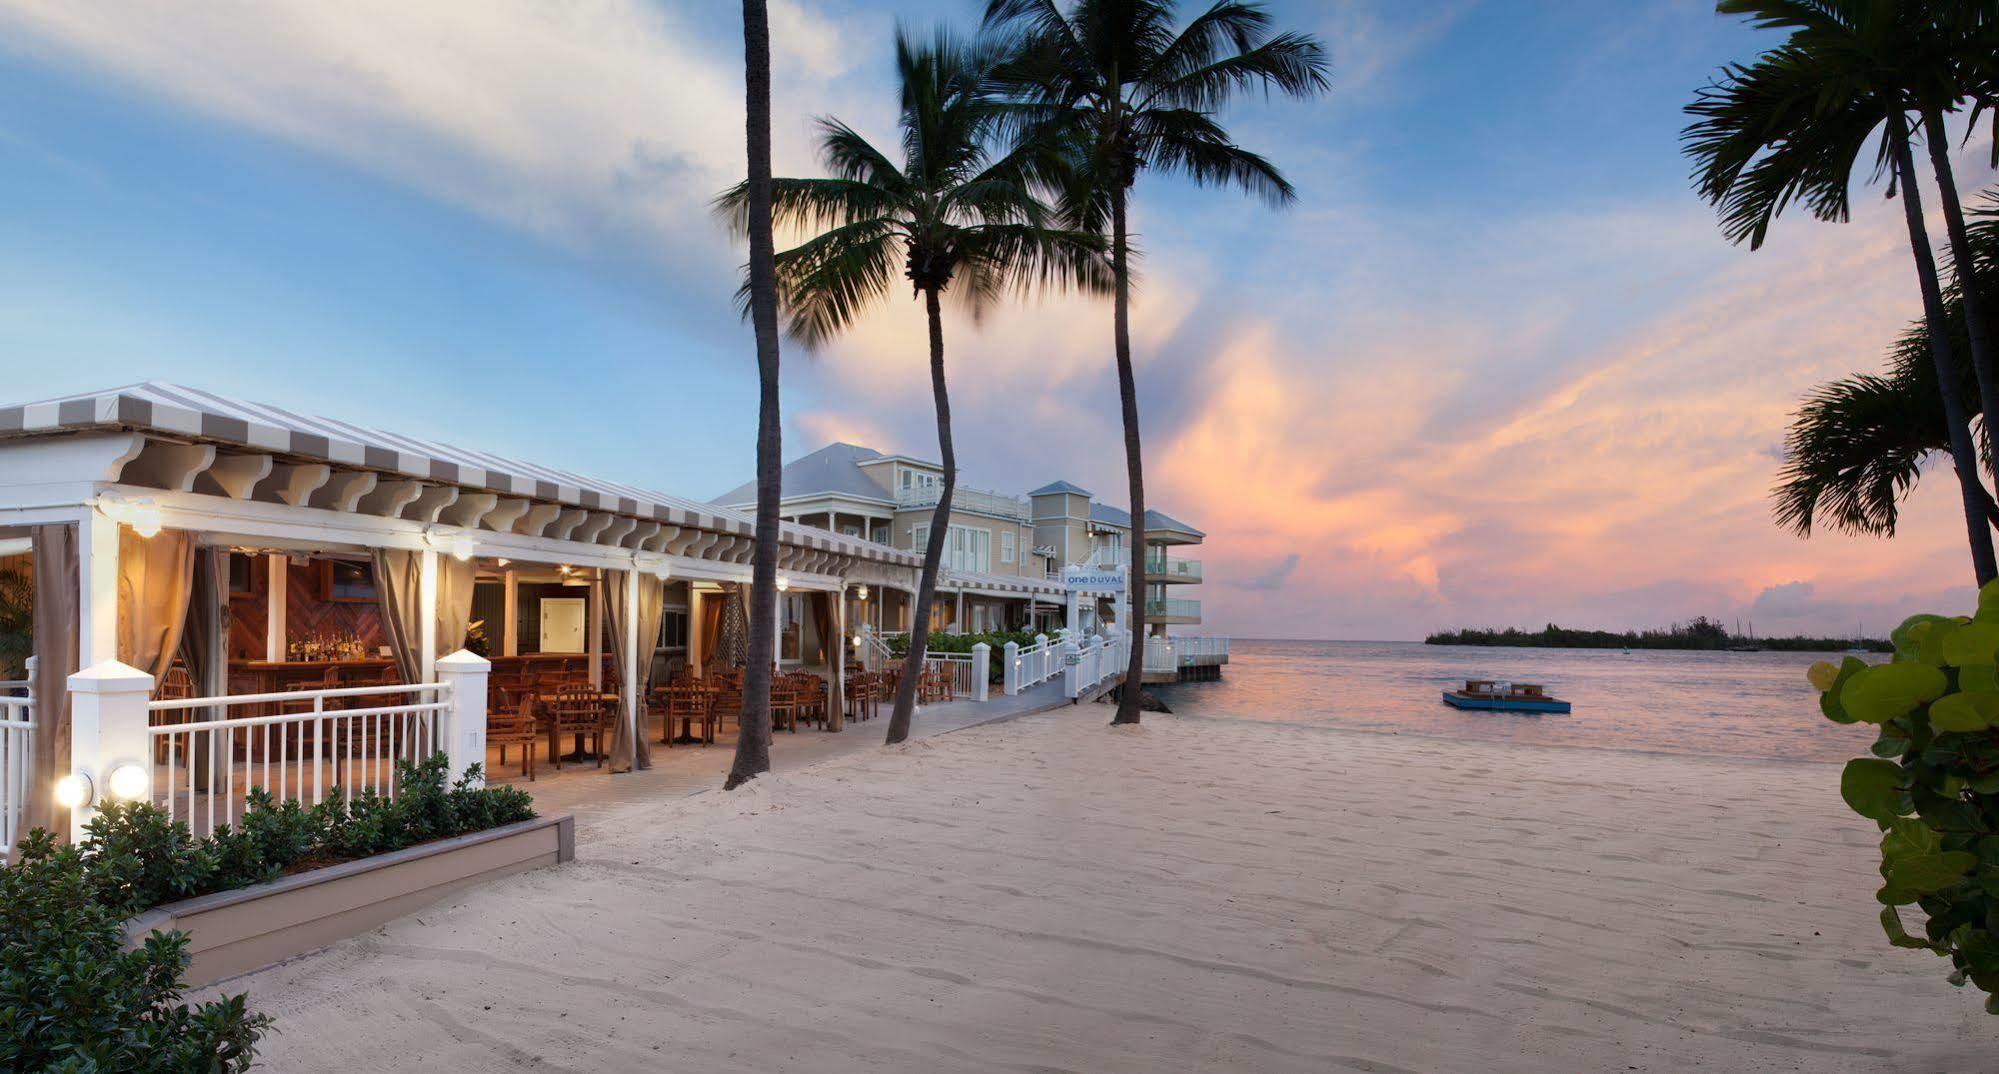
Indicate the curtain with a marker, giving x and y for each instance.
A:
(155, 582)
(398, 588)
(204, 643)
(629, 752)
(55, 626)
(822, 622)
(711, 628)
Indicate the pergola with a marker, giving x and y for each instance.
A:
(81, 472)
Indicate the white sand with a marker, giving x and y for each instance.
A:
(1052, 895)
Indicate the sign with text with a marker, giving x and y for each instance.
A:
(1093, 577)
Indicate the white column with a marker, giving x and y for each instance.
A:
(1074, 621)
(694, 641)
(958, 620)
(107, 731)
(97, 585)
(595, 648)
(1072, 670)
(982, 670)
(276, 615)
(632, 699)
(837, 717)
(461, 731)
(777, 635)
(510, 641)
(426, 610)
(1010, 669)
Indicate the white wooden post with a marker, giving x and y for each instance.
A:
(633, 703)
(1074, 622)
(1072, 669)
(694, 639)
(982, 669)
(426, 599)
(1010, 669)
(97, 584)
(836, 719)
(510, 640)
(461, 731)
(595, 647)
(107, 732)
(276, 614)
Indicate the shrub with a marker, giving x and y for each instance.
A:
(72, 1000)
(1932, 785)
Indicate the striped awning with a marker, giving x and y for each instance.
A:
(175, 410)
(1002, 585)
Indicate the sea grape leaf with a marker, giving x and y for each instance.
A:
(1923, 874)
(1974, 710)
(1823, 674)
(1909, 638)
(1880, 693)
(1891, 923)
(1873, 788)
(1972, 644)
(1978, 677)
(1829, 700)
(1889, 746)
(1988, 602)
(1907, 837)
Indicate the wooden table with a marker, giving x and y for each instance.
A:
(542, 698)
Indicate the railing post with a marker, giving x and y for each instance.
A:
(107, 732)
(462, 730)
(1072, 670)
(982, 669)
(1010, 669)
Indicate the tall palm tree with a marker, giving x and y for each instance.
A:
(1117, 84)
(1791, 125)
(1857, 445)
(961, 220)
(753, 738)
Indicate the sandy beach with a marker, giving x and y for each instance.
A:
(1049, 894)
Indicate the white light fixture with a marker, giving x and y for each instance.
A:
(503, 561)
(462, 548)
(128, 781)
(783, 583)
(142, 516)
(73, 791)
(861, 592)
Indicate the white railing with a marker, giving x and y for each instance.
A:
(1031, 666)
(318, 742)
(956, 665)
(1160, 657)
(17, 743)
(1173, 568)
(1197, 650)
(975, 501)
(1173, 609)
(1096, 661)
(15, 687)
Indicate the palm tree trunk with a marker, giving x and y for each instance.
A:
(1949, 380)
(1134, 460)
(753, 723)
(1970, 295)
(940, 526)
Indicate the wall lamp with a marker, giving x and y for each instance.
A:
(141, 515)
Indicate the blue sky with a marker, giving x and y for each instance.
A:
(1497, 365)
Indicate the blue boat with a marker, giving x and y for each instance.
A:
(1494, 695)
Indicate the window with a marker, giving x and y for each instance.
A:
(967, 549)
(919, 536)
(907, 477)
(791, 626)
(881, 535)
(851, 530)
(1006, 546)
(673, 629)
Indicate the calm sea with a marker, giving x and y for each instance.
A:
(1728, 704)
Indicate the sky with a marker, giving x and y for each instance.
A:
(1496, 366)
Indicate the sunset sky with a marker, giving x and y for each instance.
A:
(1497, 366)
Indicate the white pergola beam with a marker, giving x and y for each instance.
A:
(292, 483)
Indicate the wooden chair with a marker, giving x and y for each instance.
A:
(689, 703)
(577, 709)
(813, 696)
(515, 725)
(784, 705)
(175, 685)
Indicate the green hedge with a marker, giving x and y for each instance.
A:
(1932, 786)
(73, 1001)
(898, 645)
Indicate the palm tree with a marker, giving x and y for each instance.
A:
(1112, 80)
(1791, 125)
(753, 738)
(1857, 446)
(960, 220)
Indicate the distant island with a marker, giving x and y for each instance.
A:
(1701, 633)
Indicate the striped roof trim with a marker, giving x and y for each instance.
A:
(160, 407)
(1017, 584)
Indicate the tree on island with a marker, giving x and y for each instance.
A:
(1113, 80)
(958, 220)
(1790, 127)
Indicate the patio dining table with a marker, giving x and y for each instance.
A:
(542, 697)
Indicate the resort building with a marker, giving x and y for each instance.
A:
(1006, 556)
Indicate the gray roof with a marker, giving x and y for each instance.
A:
(190, 412)
(833, 470)
(1154, 520)
(1059, 486)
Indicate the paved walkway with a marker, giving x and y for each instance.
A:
(592, 794)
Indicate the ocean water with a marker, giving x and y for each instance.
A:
(1723, 704)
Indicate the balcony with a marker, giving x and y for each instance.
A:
(1162, 568)
(1172, 611)
(972, 501)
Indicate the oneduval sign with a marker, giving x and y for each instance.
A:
(1093, 578)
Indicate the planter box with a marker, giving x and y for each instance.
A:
(234, 932)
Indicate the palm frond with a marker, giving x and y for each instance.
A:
(1183, 141)
(824, 284)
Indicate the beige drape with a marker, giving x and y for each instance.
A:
(204, 644)
(822, 622)
(55, 627)
(398, 590)
(628, 752)
(711, 630)
(155, 581)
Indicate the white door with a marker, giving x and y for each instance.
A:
(562, 621)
